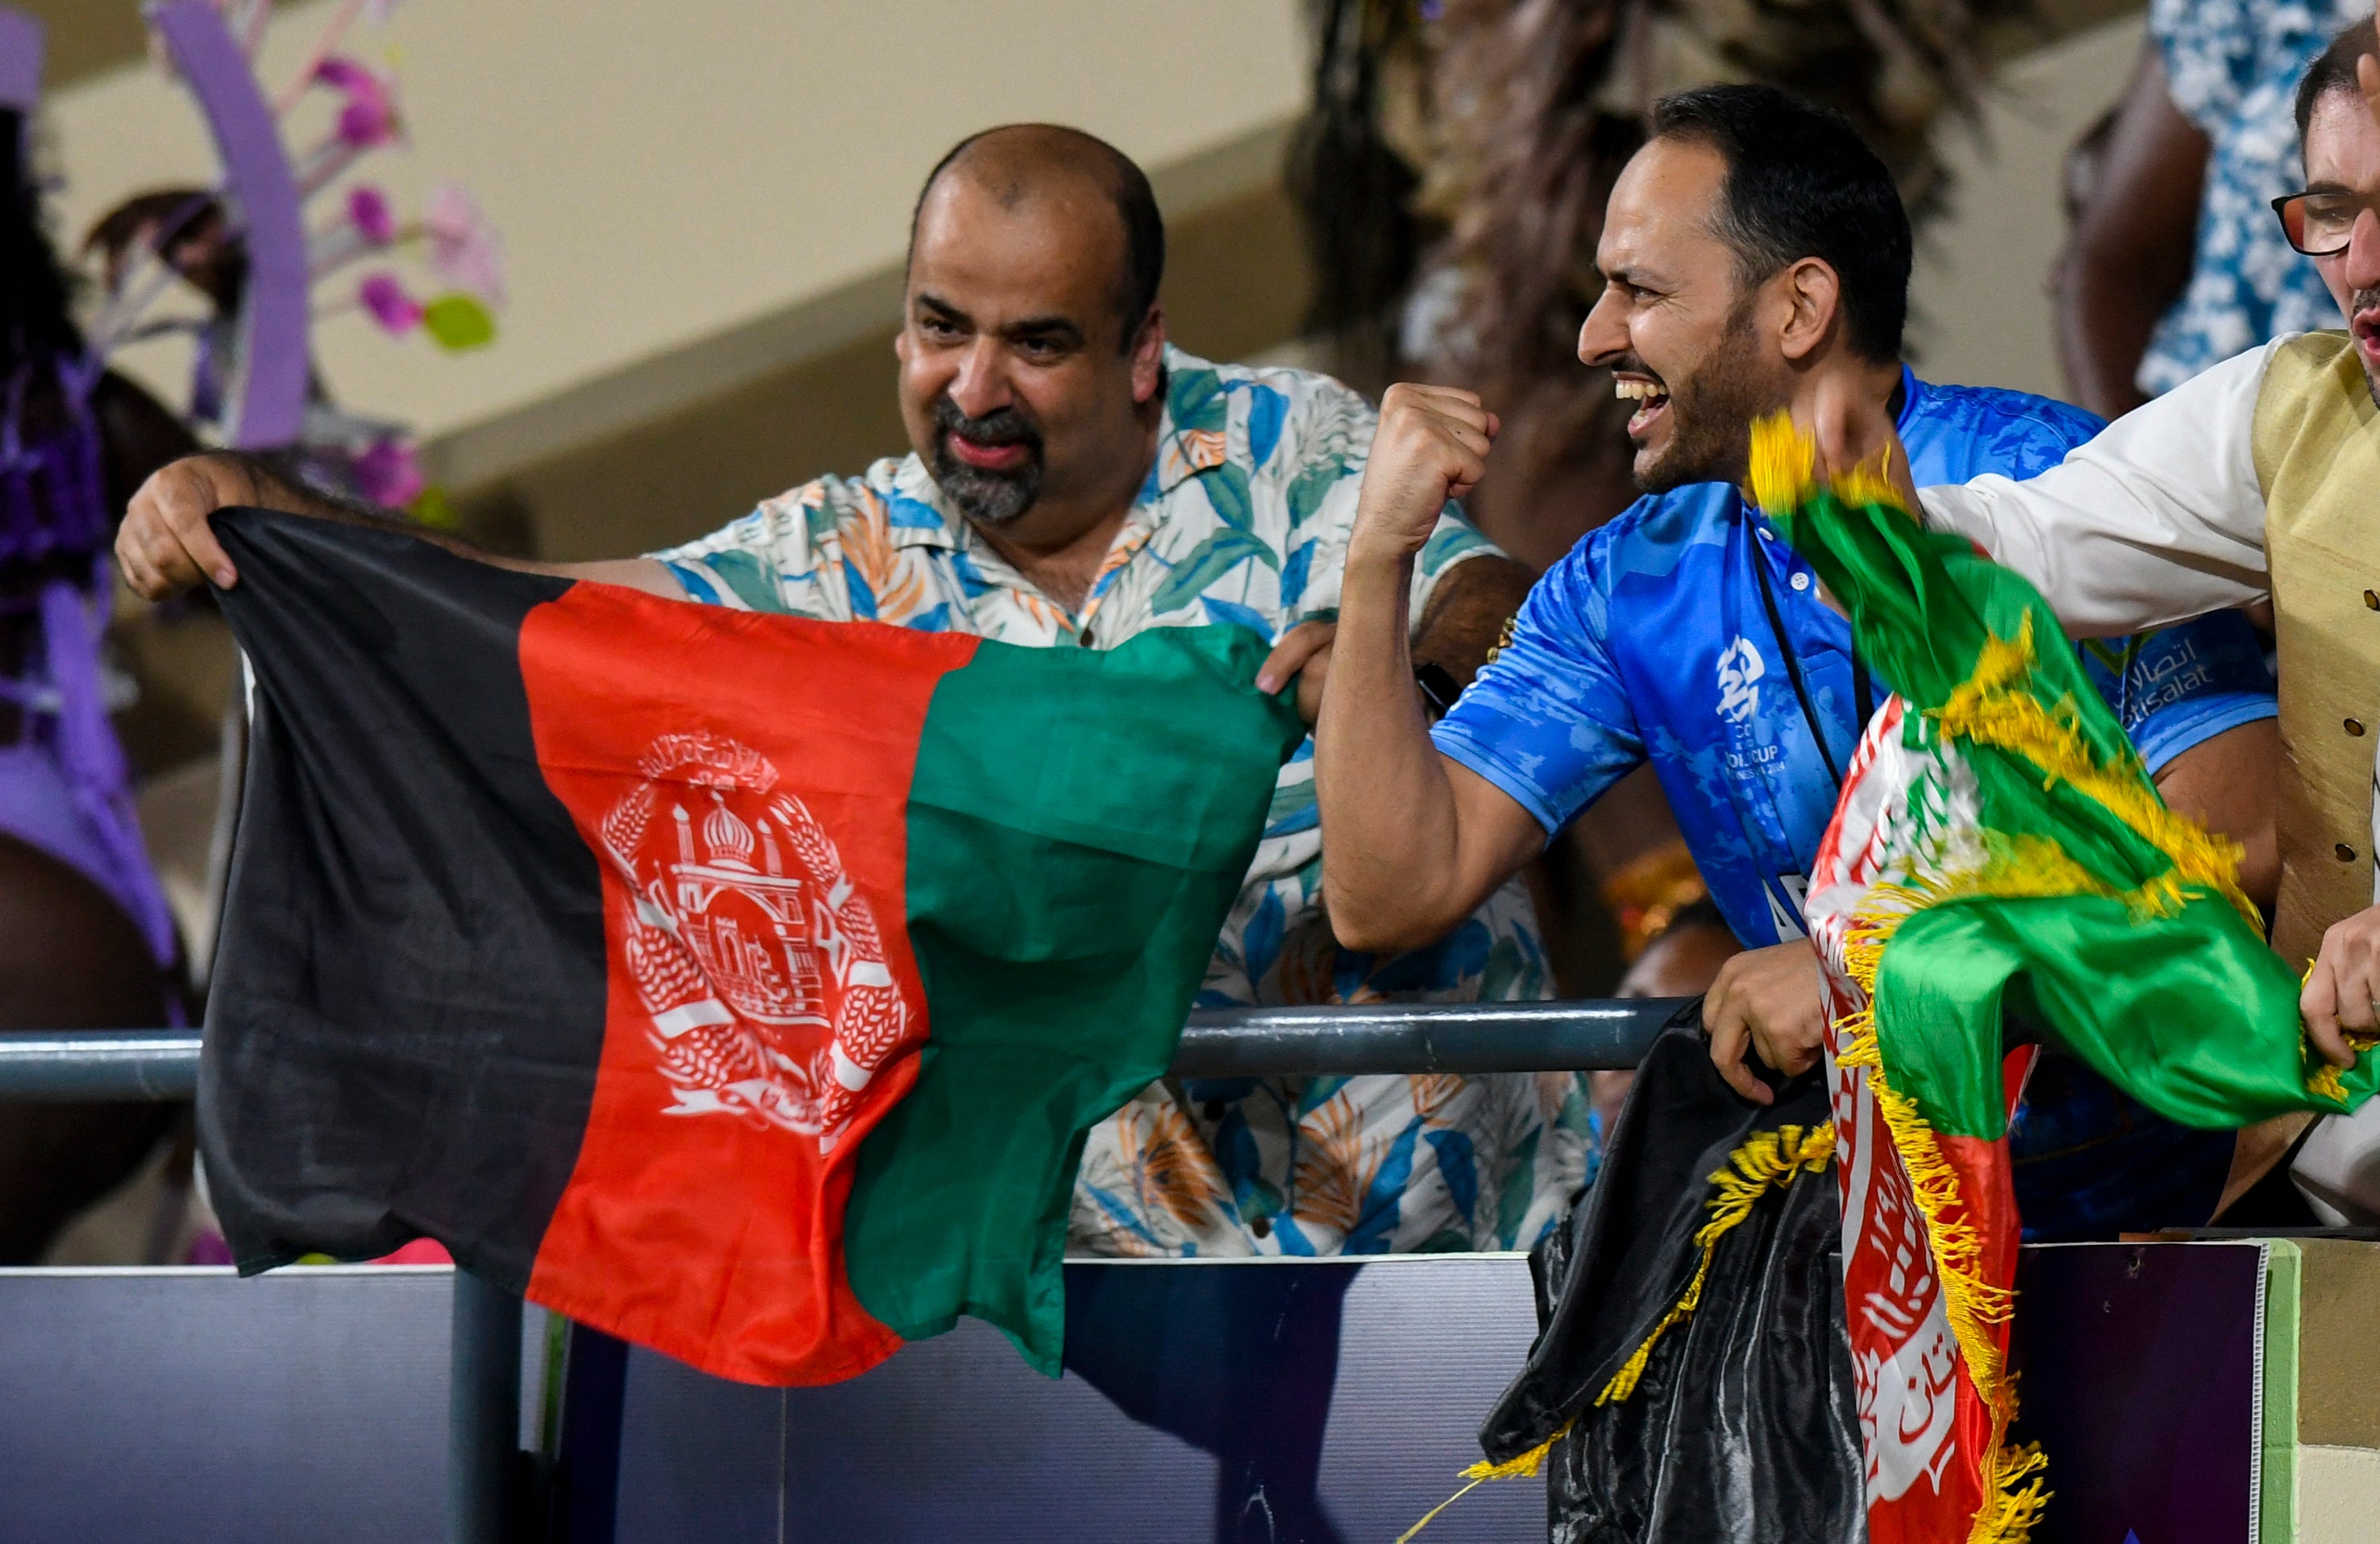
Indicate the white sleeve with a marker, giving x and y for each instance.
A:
(2158, 520)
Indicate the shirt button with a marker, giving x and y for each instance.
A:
(1800, 581)
(2345, 854)
(2355, 727)
(2372, 599)
(1262, 1227)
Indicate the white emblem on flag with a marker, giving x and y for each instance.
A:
(757, 961)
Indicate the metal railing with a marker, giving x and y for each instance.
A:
(92, 1067)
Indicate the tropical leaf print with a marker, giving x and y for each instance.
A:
(1433, 1094)
(1171, 1170)
(1228, 494)
(1207, 562)
(1194, 401)
(1310, 487)
(753, 585)
(869, 550)
(1336, 1166)
(1266, 409)
(1187, 454)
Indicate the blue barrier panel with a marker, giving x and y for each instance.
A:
(1313, 1400)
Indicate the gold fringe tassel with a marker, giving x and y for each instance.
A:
(1784, 471)
(1766, 1159)
(1992, 707)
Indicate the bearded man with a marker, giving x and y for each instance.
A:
(1753, 251)
(1074, 480)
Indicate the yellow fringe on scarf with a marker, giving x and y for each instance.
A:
(1970, 1303)
(1784, 471)
(1766, 1159)
(1992, 707)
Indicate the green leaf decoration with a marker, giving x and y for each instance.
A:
(1207, 562)
(458, 322)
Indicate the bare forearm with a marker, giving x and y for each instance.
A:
(1393, 869)
(276, 491)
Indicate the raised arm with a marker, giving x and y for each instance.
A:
(2159, 519)
(166, 544)
(1412, 842)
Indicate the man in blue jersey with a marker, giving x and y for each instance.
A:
(1753, 248)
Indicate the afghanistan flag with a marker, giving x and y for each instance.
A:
(741, 985)
(1997, 849)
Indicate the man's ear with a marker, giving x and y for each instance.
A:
(1813, 293)
(1149, 355)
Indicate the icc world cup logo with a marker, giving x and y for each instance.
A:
(758, 964)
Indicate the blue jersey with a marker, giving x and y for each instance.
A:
(1687, 633)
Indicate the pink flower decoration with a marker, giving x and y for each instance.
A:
(369, 208)
(369, 116)
(397, 312)
(389, 474)
(462, 247)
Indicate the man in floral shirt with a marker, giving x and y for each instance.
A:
(1228, 498)
(1074, 481)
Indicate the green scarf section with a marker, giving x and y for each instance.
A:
(2065, 891)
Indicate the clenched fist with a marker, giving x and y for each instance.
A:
(166, 545)
(1431, 446)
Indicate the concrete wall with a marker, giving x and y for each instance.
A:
(697, 194)
(1980, 302)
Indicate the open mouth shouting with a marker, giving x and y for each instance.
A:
(1652, 400)
(2364, 326)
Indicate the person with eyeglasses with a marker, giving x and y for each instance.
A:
(2258, 478)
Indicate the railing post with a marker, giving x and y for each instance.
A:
(483, 1412)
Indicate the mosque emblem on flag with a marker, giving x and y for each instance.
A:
(756, 960)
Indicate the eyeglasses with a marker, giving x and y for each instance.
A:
(2319, 224)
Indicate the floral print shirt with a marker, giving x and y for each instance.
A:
(2233, 68)
(1244, 521)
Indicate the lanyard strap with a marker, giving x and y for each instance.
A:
(1862, 691)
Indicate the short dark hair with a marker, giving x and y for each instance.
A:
(2333, 70)
(1802, 183)
(1126, 186)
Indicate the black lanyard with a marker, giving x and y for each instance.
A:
(1862, 692)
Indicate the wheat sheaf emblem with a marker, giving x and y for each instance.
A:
(757, 961)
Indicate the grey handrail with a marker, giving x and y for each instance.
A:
(97, 1065)
(72, 1067)
(1601, 1034)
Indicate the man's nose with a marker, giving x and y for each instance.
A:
(981, 384)
(2361, 268)
(1604, 335)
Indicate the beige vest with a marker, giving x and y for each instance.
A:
(2318, 461)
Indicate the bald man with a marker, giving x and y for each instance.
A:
(1074, 480)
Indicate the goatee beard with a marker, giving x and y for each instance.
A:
(1710, 416)
(984, 496)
